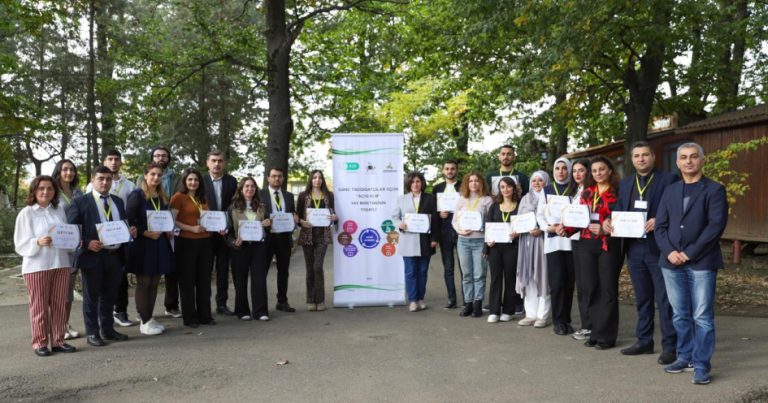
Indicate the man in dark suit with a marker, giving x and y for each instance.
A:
(220, 187)
(101, 265)
(277, 200)
(642, 192)
(448, 236)
(692, 216)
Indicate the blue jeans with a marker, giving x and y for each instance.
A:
(416, 268)
(692, 296)
(473, 267)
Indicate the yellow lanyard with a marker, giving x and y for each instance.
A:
(119, 187)
(107, 212)
(415, 203)
(473, 207)
(501, 174)
(66, 198)
(276, 201)
(316, 202)
(642, 191)
(199, 207)
(155, 205)
(505, 217)
(596, 194)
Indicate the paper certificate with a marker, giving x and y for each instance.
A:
(498, 232)
(213, 221)
(418, 223)
(250, 230)
(160, 221)
(113, 232)
(471, 220)
(628, 224)
(319, 217)
(282, 222)
(555, 205)
(576, 216)
(446, 201)
(65, 236)
(524, 223)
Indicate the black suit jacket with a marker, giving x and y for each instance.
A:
(289, 207)
(85, 212)
(446, 229)
(228, 189)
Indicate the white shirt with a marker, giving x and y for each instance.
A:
(33, 222)
(120, 188)
(217, 191)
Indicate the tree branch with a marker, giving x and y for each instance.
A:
(189, 75)
(614, 89)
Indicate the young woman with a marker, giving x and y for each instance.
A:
(45, 268)
(502, 257)
(580, 174)
(416, 248)
(315, 240)
(194, 253)
(474, 199)
(150, 255)
(248, 257)
(532, 282)
(66, 178)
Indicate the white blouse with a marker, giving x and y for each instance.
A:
(33, 222)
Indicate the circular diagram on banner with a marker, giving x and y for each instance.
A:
(387, 226)
(388, 249)
(369, 238)
(349, 227)
(350, 250)
(344, 238)
(393, 237)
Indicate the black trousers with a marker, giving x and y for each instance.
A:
(193, 268)
(121, 299)
(220, 252)
(447, 246)
(100, 285)
(581, 296)
(601, 284)
(561, 285)
(279, 245)
(249, 261)
(171, 292)
(502, 262)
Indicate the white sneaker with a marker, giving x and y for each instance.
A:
(70, 333)
(526, 321)
(422, 304)
(581, 334)
(413, 307)
(245, 317)
(264, 318)
(493, 318)
(540, 323)
(505, 317)
(146, 328)
(153, 323)
(174, 313)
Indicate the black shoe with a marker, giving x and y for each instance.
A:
(568, 328)
(637, 349)
(467, 311)
(477, 309)
(64, 348)
(560, 330)
(604, 346)
(285, 307)
(113, 336)
(224, 310)
(590, 343)
(667, 357)
(450, 305)
(192, 325)
(95, 340)
(42, 352)
(209, 323)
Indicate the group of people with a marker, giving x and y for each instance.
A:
(533, 274)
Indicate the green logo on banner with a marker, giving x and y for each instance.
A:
(353, 166)
(387, 226)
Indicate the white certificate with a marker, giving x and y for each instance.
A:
(113, 232)
(319, 217)
(555, 205)
(65, 236)
(213, 221)
(282, 222)
(628, 224)
(524, 223)
(250, 230)
(498, 232)
(471, 220)
(160, 221)
(418, 223)
(576, 216)
(446, 201)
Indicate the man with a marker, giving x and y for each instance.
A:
(506, 168)
(219, 190)
(101, 265)
(691, 218)
(642, 193)
(276, 200)
(121, 187)
(448, 236)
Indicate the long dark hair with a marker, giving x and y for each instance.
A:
(182, 186)
(585, 163)
(56, 174)
(144, 186)
(515, 190)
(32, 199)
(238, 200)
(613, 180)
(323, 186)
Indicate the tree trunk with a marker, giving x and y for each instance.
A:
(460, 135)
(732, 58)
(106, 94)
(558, 143)
(205, 142)
(93, 129)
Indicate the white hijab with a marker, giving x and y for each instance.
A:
(568, 166)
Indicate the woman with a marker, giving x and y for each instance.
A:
(502, 257)
(473, 201)
(248, 257)
(580, 172)
(150, 255)
(194, 253)
(66, 178)
(532, 282)
(45, 268)
(315, 240)
(415, 247)
(600, 255)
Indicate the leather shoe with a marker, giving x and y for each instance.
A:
(590, 343)
(604, 346)
(224, 310)
(209, 323)
(637, 349)
(667, 357)
(113, 336)
(64, 348)
(42, 352)
(450, 305)
(95, 340)
(285, 307)
(560, 330)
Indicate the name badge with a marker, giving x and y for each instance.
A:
(641, 204)
(594, 217)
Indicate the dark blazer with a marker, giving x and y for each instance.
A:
(289, 207)
(446, 229)
(653, 195)
(228, 189)
(695, 231)
(85, 212)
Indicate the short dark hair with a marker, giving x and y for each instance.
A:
(451, 161)
(641, 143)
(152, 152)
(413, 176)
(507, 146)
(56, 174)
(101, 169)
(275, 168)
(31, 199)
(217, 153)
(112, 153)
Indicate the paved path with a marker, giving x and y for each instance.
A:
(369, 354)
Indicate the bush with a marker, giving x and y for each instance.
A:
(7, 224)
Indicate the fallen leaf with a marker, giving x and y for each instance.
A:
(282, 362)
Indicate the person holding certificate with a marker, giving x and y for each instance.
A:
(532, 281)
(580, 171)
(314, 237)
(194, 253)
(417, 244)
(448, 237)
(506, 168)
(600, 255)
(502, 256)
(468, 219)
(45, 269)
(248, 251)
(150, 255)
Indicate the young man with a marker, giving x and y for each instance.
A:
(642, 192)
(448, 236)
(692, 216)
(506, 168)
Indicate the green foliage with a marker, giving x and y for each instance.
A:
(717, 166)
(7, 225)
